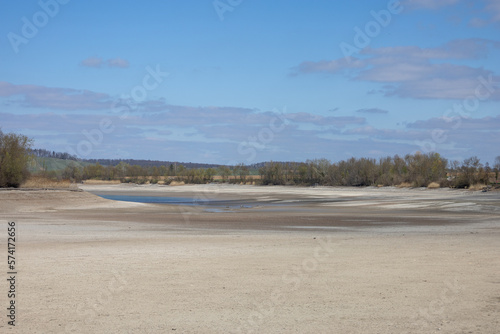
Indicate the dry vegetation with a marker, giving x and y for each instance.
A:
(176, 183)
(477, 186)
(41, 182)
(101, 182)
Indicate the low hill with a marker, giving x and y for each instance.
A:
(53, 164)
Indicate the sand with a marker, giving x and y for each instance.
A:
(295, 260)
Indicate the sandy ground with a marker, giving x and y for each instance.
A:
(272, 260)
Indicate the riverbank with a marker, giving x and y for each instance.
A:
(322, 260)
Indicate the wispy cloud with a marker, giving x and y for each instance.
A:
(335, 121)
(414, 72)
(117, 62)
(490, 9)
(474, 136)
(98, 62)
(493, 7)
(92, 62)
(217, 131)
(408, 136)
(331, 66)
(372, 111)
(491, 15)
(466, 124)
(171, 134)
(34, 96)
(470, 48)
(428, 4)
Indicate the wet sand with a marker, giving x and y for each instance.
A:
(272, 260)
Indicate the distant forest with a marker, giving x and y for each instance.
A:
(416, 170)
(42, 153)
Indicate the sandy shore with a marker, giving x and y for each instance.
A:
(291, 260)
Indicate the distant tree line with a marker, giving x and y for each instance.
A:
(417, 170)
(42, 153)
(148, 163)
(152, 174)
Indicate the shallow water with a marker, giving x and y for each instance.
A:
(216, 205)
(219, 205)
(154, 199)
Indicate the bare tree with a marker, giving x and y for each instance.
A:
(242, 171)
(225, 172)
(469, 172)
(14, 158)
(496, 168)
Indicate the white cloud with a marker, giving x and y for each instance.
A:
(428, 4)
(414, 72)
(491, 15)
(92, 62)
(35, 96)
(118, 62)
(169, 138)
(372, 111)
(493, 7)
(489, 8)
(98, 62)
(332, 66)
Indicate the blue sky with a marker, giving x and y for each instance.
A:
(232, 81)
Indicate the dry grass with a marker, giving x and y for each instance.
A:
(232, 177)
(176, 183)
(404, 185)
(477, 187)
(433, 185)
(40, 182)
(101, 182)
